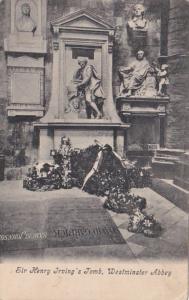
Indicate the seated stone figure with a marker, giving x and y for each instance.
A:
(25, 23)
(133, 77)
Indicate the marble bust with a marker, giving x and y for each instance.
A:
(138, 22)
(25, 23)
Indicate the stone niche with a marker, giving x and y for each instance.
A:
(25, 48)
(81, 34)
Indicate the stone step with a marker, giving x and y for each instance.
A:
(182, 182)
(166, 158)
(161, 161)
(163, 169)
(169, 152)
(171, 192)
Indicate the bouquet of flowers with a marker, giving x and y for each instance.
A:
(140, 222)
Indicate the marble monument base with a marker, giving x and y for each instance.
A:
(81, 134)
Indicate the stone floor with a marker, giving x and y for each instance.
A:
(172, 244)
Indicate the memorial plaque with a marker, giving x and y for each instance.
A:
(26, 88)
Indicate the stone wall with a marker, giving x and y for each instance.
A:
(178, 59)
(117, 13)
(18, 140)
(17, 137)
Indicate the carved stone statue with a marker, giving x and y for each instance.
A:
(138, 22)
(137, 29)
(88, 84)
(141, 78)
(163, 80)
(25, 23)
(134, 76)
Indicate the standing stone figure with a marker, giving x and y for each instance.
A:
(138, 22)
(163, 80)
(90, 85)
(133, 76)
(25, 23)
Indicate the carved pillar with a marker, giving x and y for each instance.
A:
(53, 110)
(111, 104)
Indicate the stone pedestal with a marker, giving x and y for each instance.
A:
(81, 135)
(146, 116)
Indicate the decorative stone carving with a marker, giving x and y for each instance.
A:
(141, 78)
(81, 34)
(28, 27)
(126, 106)
(111, 40)
(138, 22)
(25, 48)
(87, 83)
(25, 23)
(137, 77)
(137, 27)
(55, 31)
(142, 106)
(161, 108)
(163, 80)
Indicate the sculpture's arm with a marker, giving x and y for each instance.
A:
(125, 70)
(163, 74)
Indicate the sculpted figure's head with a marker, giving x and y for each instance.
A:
(25, 8)
(138, 11)
(82, 62)
(140, 55)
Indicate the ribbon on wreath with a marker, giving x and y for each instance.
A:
(95, 168)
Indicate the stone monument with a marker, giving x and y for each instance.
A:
(86, 87)
(25, 23)
(140, 78)
(81, 105)
(25, 48)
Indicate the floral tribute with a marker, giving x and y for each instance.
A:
(101, 171)
(46, 177)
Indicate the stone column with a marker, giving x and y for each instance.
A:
(53, 110)
(111, 105)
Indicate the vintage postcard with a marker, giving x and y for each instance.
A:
(94, 149)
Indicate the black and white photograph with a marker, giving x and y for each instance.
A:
(94, 144)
